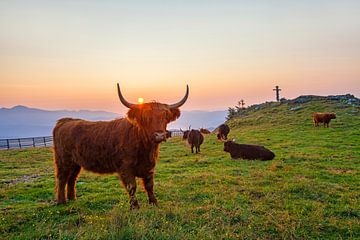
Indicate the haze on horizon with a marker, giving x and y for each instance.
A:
(70, 54)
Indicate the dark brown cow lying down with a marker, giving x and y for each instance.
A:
(323, 118)
(247, 151)
(127, 146)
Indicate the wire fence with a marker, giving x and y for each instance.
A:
(19, 143)
(176, 133)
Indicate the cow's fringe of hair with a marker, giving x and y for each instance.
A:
(140, 115)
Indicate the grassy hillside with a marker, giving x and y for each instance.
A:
(310, 190)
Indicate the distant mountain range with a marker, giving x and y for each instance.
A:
(22, 121)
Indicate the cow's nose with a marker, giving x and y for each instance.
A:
(160, 136)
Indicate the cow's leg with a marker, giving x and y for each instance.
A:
(130, 185)
(71, 191)
(149, 187)
(62, 175)
(192, 148)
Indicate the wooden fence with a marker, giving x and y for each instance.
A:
(26, 142)
(41, 141)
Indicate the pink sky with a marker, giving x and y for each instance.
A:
(60, 56)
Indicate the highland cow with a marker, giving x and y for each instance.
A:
(195, 139)
(204, 131)
(126, 146)
(247, 151)
(223, 132)
(323, 118)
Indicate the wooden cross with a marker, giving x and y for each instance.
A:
(277, 89)
(242, 103)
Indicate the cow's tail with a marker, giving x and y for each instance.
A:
(198, 141)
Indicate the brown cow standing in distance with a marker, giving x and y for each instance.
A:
(323, 118)
(126, 146)
(168, 134)
(247, 151)
(195, 139)
(223, 132)
(204, 131)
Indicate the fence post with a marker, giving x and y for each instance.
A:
(44, 141)
(19, 142)
(33, 142)
(8, 144)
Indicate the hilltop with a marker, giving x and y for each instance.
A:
(320, 103)
(309, 191)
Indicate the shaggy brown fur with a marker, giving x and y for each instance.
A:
(247, 151)
(204, 131)
(223, 132)
(323, 118)
(127, 146)
(195, 139)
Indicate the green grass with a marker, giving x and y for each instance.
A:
(311, 190)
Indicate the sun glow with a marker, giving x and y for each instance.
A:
(140, 100)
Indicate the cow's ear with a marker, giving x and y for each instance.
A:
(134, 115)
(175, 114)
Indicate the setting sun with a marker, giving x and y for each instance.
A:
(140, 100)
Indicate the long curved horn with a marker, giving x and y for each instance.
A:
(182, 101)
(123, 100)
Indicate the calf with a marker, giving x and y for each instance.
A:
(247, 151)
(323, 118)
(223, 132)
(195, 139)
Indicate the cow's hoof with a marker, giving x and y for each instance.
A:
(60, 202)
(134, 205)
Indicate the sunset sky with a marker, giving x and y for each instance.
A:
(71, 54)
